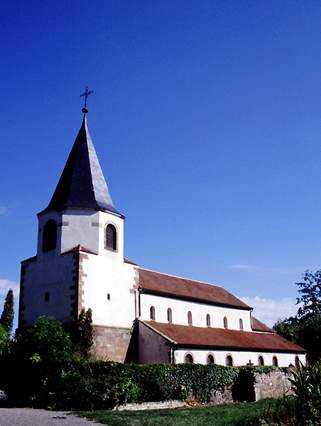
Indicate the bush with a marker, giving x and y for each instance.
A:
(89, 385)
(35, 352)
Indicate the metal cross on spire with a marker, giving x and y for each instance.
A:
(86, 94)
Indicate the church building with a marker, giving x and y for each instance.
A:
(139, 315)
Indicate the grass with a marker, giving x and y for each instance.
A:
(233, 414)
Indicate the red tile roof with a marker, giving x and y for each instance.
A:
(259, 326)
(220, 338)
(171, 286)
(130, 261)
(77, 249)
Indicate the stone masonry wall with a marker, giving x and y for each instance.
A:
(272, 385)
(111, 343)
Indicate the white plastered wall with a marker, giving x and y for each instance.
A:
(51, 274)
(239, 357)
(199, 311)
(103, 273)
(108, 281)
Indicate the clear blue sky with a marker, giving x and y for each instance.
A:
(206, 118)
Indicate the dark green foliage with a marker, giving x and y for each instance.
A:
(81, 333)
(46, 341)
(3, 339)
(98, 384)
(305, 328)
(288, 328)
(243, 389)
(35, 353)
(6, 319)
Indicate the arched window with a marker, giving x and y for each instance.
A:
(152, 313)
(169, 315)
(189, 359)
(241, 323)
(225, 325)
(229, 361)
(111, 237)
(260, 360)
(210, 359)
(49, 237)
(275, 361)
(297, 361)
(189, 318)
(208, 320)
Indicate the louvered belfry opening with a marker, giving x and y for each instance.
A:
(111, 237)
(49, 240)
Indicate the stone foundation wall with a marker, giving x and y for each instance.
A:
(272, 385)
(114, 343)
(222, 397)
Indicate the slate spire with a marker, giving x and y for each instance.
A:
(82, 183)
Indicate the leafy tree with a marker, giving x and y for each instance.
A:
(289, 328)
(6, 319)
(46, 341)
(3, 338)
(305, 328)
(310, 290)
(81, 333)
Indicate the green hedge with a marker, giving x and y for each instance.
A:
(87, 385)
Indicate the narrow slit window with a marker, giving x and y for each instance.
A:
(225, 323)
(169, 315)
(208, 320)
(152, 313)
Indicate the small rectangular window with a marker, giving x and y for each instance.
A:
(108, 296)
(47, 295)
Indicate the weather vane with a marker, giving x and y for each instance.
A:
(86, 94)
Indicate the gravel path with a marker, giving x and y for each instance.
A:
(29, 417)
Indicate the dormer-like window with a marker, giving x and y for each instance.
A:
(49, 237)
(111, 237)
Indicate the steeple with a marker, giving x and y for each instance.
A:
(82, 183)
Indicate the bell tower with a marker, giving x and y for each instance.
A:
(80, 255)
